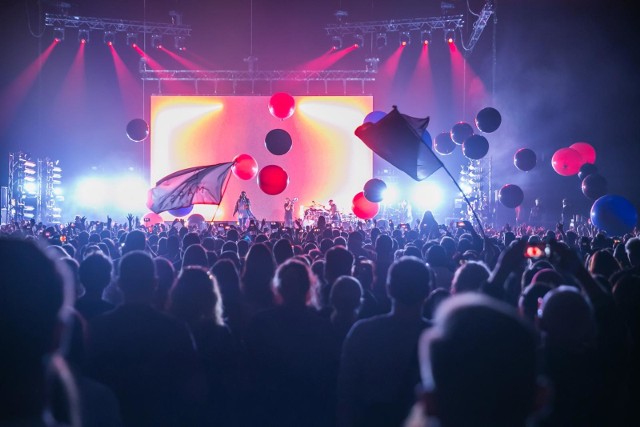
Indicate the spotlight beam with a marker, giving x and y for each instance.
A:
(17, 90)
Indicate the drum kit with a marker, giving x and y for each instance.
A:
(316, 210)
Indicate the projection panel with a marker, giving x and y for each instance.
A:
(326, 161)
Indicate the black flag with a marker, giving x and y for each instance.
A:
(397, 138)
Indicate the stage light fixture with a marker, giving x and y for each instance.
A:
(132, 39)
(425, 37)
(109, 38)
(359, 40)
(179, 43)
(405, 38)
(156, 41)
(58, 34)
(83, 35)
(450, 36)
(372, 64)
(336, 42)
(381, 40)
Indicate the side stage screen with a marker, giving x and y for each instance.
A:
(326, 161)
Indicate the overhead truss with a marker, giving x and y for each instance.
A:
(218, 76)
(414, 24)
(116, 25)
(480, 24)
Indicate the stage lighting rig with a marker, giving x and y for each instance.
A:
(84, 25)
(83, 35)
(156, 41)
(52, 195)
(449, 36)
(336, 42)
(179, 43)
(372, 64)
(405, 38)
(359, 40)
(58, 34)
(425, 37)
(132, 39)
(381, 40)
(109, 38)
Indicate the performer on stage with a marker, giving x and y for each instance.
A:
(243, 209)
(536, 215)
(334, 215)
(288, 211)
(406, 216)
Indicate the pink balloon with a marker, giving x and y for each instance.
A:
(244, 166)
(363, 208)
(273, 179)
(586, 150)
(153, 219)
(282, 105)
(566, 161)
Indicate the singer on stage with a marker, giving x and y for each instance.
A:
(243, 209)
(288, 212)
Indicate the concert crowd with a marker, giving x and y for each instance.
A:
(178, 324)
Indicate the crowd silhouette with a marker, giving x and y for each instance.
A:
(177, 325)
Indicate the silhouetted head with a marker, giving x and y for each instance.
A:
(195, 255)
(282, 251)
(137, 277)
(408, 281)
(135, 241)
(293, 283)
(346, 294)
(478, 364)
(194, 296)
(95, 273)
(567, 319)
(338, 262)
(469, 277)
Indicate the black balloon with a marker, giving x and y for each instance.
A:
(443, 144)
(586, 170)
(488, 120)
(460, 132)
(137, 130)
(278, 142)
(374, 190)
(524, 159)
(475, 147)
(594, 186)
(511, 195)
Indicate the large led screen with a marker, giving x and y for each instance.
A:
(326, 161)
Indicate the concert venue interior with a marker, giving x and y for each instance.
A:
(202, 74)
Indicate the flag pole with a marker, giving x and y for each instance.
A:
(464, 196)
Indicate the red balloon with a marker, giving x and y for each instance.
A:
(362, 208)
(154, 219)
(282, 105)
(273, 179)
(587, 151)
(566, 161)
(244, 166)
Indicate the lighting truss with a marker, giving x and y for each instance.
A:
(235, 77)
(116, 25)
(401, 25)
(229, 75)
(479, 25)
